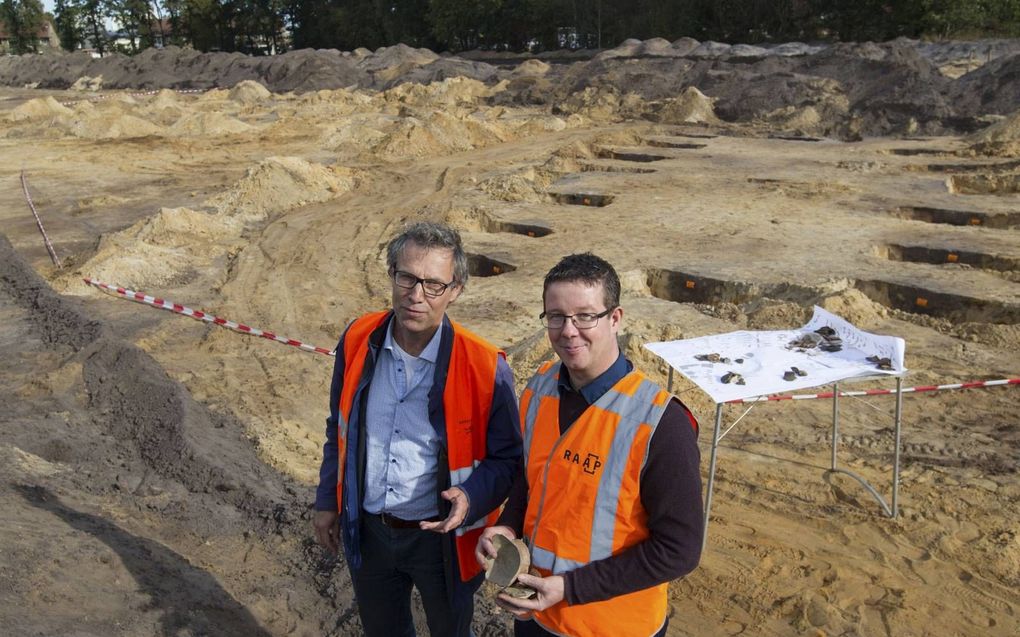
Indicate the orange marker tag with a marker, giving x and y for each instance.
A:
(974, 221)
(921, 302)
(952, 258)
(690, 285)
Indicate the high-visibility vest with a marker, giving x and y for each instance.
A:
(584, 500)
(467, 404)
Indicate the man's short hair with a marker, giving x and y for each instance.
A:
(430, 235)
(590, 269)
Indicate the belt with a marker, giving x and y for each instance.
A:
(394, 522)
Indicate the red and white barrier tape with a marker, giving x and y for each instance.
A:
(198, 315)
(38, 221)
(99, 98)
(880, 392)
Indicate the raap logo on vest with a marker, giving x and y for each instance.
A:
(590, 462)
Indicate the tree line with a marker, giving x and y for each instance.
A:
(273, 26)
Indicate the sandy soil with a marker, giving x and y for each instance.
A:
(157, 473)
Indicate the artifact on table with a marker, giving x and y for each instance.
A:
(881, 363)
(732, 377)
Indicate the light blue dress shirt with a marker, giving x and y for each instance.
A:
(402, 446)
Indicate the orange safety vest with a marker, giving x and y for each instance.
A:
(585, 501)
(467, 403)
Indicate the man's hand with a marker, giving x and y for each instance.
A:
(327, 530)
(485, 550)
(549, 593)
(458, 511)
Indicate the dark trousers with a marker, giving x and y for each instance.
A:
(394, 560)
(532, 629)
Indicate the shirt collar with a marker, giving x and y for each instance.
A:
(431, 351)
(603, 383)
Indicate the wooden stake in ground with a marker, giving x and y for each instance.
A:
(38, 221)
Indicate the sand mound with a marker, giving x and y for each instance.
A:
(627, 48)
(165, 98)
(1003, 184)
(86, 83)
(691, 107)
(39, 108)
(1000, 139)
(746, 52)
(169, 248)
(575, 150)
(660, 47)
(106, 125)
(457, 91)
(710, 49)
(526, 185)
(530, 68)
(249, 92)
(280, 183)
(601, 104)
(440, 133)
(523, 125)
(352, 134)
(208, 124)
(1005, 130)
(854, 306)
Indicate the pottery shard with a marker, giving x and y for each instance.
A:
(512, 559)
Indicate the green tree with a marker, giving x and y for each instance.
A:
(23, 19)
(92, 16)
(65, 16)
(461, 24)
(135, 18)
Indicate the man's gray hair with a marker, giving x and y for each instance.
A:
(430, 235)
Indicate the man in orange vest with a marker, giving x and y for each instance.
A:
(609, 498)
(422, 444)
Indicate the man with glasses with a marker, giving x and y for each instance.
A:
(609, 498)
(422, 444)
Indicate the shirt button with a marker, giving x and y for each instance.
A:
(393, 460)
(390, 489)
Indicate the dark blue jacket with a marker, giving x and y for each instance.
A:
(486, 488)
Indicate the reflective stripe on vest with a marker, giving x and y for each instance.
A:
(467, 405)
(585, 497)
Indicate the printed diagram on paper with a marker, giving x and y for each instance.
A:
(746, 364)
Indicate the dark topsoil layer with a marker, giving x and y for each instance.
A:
(889, 88)
(148, 475)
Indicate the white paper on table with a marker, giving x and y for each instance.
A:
(766, 357)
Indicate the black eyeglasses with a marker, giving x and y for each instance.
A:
(584, 321)
(430, 287)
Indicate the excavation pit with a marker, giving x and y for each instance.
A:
(695, 135)
(666, 143)
(481, 265)
(682, 287)
(686, 287)
(583, 199)
(795, 138)
(532, 229)
(615, 168)
(939, 256)
(630, 155)
(914, 152)
(956, 307)
(998, 220)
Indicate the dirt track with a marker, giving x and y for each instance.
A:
(157, 472)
